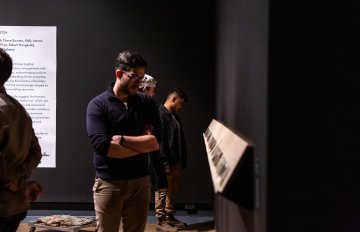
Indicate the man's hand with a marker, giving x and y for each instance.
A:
(148, 130)
(12, 186)
(33, 190)
(116, 138)
(174, 170)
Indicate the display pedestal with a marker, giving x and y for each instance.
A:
(231, 163)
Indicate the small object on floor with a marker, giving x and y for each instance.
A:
(65, 220)
(62, 223)
(163, 226)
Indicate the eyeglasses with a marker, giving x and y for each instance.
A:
(133, 75)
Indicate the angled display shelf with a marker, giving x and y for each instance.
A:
(231, 164)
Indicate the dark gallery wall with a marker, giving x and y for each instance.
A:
(241, 100)
(288, 79)
(177, 40)
(313, 159)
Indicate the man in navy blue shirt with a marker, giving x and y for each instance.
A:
(117, 122)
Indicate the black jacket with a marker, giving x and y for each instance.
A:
(172, 148)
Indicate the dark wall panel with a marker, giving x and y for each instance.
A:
(177, 40)
(314, 116)
(242, 97)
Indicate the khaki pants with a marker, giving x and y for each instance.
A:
(165, 198)
(126, 200)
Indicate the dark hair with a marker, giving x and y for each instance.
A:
(180, 93)
(129, 59)
(5, 66)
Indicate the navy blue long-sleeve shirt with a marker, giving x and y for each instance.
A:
(108, 116)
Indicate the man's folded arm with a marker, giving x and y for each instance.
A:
(123, 146)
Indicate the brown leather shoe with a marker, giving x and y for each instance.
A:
(163, 226)
(172, 221)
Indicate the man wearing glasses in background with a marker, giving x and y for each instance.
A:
(116, 122)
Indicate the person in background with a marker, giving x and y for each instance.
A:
(20, 154)
(156, 167)
(116, 121)
(174, 153)
(148, 85)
